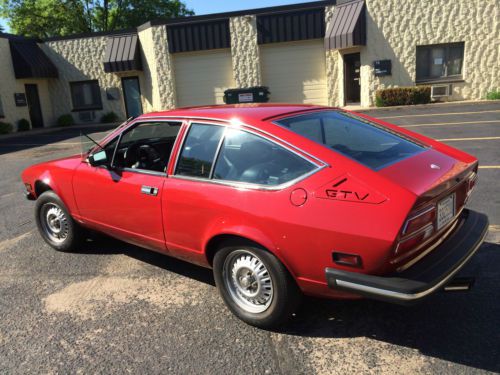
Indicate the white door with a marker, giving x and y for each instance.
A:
(295, 72)
(202, 77)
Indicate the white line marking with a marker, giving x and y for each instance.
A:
(441, 114)
(467, 139)
(451, 123)
(489, 167)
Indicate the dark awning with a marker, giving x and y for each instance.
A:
(122, 53)
(30, 61)
(347, 27)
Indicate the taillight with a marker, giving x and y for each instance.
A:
(415, 240)
(471, 183)
(417, 229)
(419, 220)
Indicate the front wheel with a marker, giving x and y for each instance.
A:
(55, 224)
(255, 285)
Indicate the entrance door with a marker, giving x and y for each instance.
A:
(352, 82)
(34, 107)
(132, 96)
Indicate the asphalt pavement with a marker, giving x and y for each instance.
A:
(116, 308)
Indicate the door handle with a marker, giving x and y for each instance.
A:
(149, 190)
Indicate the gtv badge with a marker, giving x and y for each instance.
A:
(435, 166)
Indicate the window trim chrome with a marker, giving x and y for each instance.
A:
(252, 130)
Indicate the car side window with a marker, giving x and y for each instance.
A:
(145, 147)
(245, 157)
(198, 152)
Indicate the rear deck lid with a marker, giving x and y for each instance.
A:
(425, 171)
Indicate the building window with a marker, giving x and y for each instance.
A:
(440, 61)
(1, 109)
(86, 95)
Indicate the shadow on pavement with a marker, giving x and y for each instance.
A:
(28, 141)
(101, 244)
(463, 328)
(460, 327)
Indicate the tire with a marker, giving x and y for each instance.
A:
(255, 285)
(55, 224)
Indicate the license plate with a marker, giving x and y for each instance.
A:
(445, 211)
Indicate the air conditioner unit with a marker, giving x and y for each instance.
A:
(440, 91)
(86, 116)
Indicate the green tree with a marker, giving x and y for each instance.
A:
(46, 18)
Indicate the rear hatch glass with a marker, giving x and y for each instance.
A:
(367, 143)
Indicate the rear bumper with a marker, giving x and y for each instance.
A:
(427, 276)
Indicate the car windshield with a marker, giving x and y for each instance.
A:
(353, 136)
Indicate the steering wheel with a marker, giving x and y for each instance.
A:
(140, 155)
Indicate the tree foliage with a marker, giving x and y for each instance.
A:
(46, 18)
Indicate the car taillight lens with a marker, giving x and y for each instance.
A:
(414, 241)
(419, 220)
(471, 183)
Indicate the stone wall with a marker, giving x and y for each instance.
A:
(245, 51)
(158, 69)
(80, 60)
(395, 28)
(334, 69)
(10, 85)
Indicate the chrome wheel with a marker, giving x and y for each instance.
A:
(248, 281)
(54, 222)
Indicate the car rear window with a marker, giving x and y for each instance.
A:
(352, 136)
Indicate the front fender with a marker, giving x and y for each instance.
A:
(56, 176)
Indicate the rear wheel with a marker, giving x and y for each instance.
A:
(55, 224)
(255, 285)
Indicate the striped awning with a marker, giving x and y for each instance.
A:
(347, 27)
(122, 53)
(30, 61)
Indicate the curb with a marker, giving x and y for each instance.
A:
(444, 104)
(55, 129)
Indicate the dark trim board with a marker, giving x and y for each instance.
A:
(199, 36)
(291, 26)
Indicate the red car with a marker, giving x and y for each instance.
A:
(280, 200)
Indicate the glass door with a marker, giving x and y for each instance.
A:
(132, 96)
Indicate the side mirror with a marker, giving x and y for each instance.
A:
(99, 158)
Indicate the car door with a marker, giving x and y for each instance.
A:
(122, 197)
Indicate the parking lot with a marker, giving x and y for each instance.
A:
(116, 308)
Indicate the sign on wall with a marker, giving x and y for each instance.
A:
(382, 68)
(20, 99)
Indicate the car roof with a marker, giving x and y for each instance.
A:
(244, 112)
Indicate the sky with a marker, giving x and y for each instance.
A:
(218, 6)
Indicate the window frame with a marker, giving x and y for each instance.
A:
(95, 106)
(2, 112)
(446, 47)
(315, 162)
(130, 127)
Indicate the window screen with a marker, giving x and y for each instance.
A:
(353, 137)
(246, 157)
(86, 95)
(198, 151)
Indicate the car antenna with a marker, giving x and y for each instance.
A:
(86, 136)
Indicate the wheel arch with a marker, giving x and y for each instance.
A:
(41, 187)
(216, 241)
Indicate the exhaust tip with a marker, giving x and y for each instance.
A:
(460, 284)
